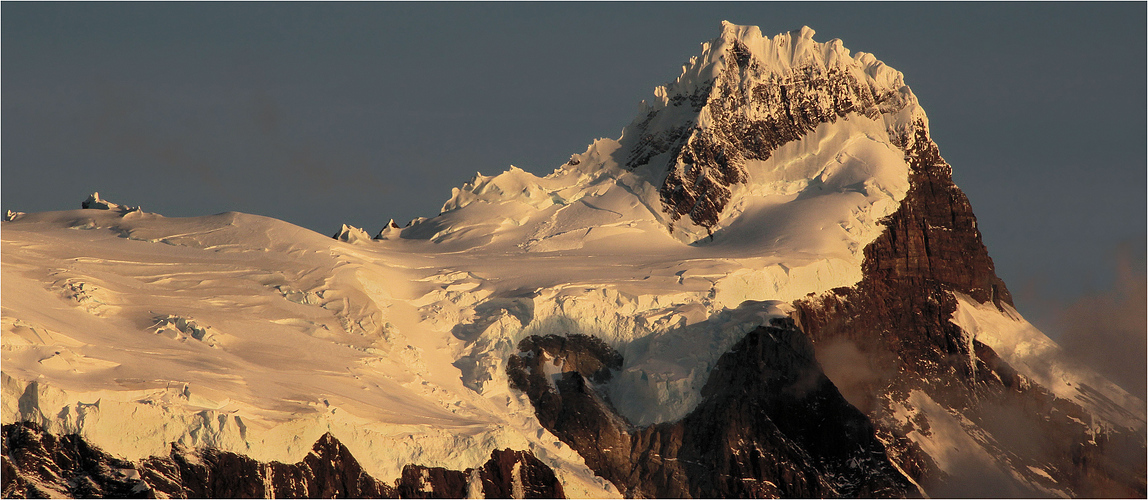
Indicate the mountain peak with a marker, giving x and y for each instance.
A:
(744, 97)
(769, 286)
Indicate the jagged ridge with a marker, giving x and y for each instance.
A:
(745, 97)
(40, 465)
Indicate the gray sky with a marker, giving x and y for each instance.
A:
(322, 114)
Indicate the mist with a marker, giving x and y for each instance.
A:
(1108, 331)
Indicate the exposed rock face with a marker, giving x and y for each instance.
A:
(930, 247)
(40, 465)
(771, 424)
(508, 474)
(934, 235)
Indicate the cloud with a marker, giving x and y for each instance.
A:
(854, 372)
(1108, 331)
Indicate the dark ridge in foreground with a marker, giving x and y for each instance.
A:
(770, 425)
(38, 464)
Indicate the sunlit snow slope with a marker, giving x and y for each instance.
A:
(256, 336)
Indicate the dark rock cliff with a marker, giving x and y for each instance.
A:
(898, 319)
(40, 465)
(771, 424)
(930, 248)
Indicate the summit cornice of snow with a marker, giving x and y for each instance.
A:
(742, 51)
(779, 56)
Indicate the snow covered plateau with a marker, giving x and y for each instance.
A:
(252, 335)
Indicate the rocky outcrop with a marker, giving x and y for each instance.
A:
(40, 465)
(508, 474)
(771, 424)
(352, 234)
(94, 202)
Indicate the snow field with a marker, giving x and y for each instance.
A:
(260, 362)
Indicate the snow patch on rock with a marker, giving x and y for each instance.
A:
(352, 234)
(1041, 360)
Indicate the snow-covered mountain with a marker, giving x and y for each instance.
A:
(768, 286)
